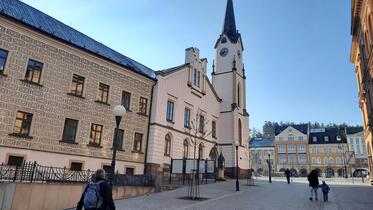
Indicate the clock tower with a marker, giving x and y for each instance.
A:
(229, 80)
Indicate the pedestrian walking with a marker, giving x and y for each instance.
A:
(97, 195)
(287, 174)
(313, 179)
(325, 190)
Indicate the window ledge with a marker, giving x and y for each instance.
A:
(133, 151)
(32, 83)
(94, 145)
(122, 150)
(68, 142)
(169, 121)
(3, 75)
(75, 95)
(142, 114)
(103, 103)
(20, 135)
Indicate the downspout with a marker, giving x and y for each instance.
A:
(150, 114)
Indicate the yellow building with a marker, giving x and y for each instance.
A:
(361, 56)
(328, 152)
(291, 149)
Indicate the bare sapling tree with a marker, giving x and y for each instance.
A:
(197, 132)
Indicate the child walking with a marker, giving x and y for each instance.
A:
(325, 190)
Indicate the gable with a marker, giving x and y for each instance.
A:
(290, 130)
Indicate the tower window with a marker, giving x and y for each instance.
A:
(198, 78)
(195, 77)
(238, 96)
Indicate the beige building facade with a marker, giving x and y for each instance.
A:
(182, 97)
(361, 56)
(57, 97)
(291, 149)
(262, 150)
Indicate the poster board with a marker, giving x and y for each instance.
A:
(202, 167)
(189, 166)
(177, 167)
(210, 166)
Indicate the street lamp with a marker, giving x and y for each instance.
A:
(269, 168)
(237, 183)
(118, 112)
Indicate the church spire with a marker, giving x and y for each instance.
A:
(229, 27)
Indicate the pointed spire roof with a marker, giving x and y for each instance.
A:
(229, 27)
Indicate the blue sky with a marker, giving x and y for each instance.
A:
(296, 51)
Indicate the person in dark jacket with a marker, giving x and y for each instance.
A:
(287, 174)
(313, 179)
(105, 193)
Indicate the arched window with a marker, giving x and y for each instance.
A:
(238, 96)
(338, 160)
(200, 151)
(167, 145)
(186, 149)
(240, 131)
(331, 160)
(213, 153)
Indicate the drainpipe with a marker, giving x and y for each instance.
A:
(147, 140)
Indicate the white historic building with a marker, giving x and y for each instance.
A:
(182, 96)
(356, 144)
(184, 91)
(229, 80)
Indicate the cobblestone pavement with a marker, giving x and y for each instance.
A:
(262, 196)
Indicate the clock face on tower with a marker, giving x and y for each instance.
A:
(224, 52)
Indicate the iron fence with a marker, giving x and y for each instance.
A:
(33, 172)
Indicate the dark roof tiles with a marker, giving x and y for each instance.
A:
(229, 27)
(334, 136)
(303, 128)
(40, 21)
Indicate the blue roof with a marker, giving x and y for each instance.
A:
(335, 136)
(261, 142)
(303, 128)
(42, 22)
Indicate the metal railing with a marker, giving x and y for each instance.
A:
(33, 172)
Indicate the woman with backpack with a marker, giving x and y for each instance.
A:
(97, 195)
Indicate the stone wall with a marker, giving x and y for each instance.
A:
(50, 103)
(26, 196)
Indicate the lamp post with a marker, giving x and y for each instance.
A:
(269, 168)
(118, 112)
(237, 183)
